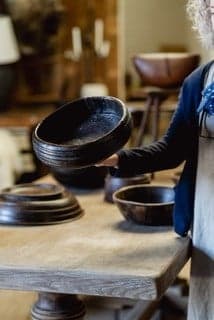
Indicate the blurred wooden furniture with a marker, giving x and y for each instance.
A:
(154, 99)
(20, 121)
(92, 68)
(24, 116)
(151, 112)
(42, 80)
(51, 77)
(161, 75)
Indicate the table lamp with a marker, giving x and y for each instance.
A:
(9, 55)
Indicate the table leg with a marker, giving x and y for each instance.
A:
(54, 306)
(145, 116)
(156, 117)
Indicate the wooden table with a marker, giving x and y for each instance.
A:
(98, 254)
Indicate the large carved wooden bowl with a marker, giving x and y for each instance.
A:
(82, 132)
(146, 204)
(165, 70)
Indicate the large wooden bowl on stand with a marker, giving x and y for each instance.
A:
(165, 70)
(162, 75)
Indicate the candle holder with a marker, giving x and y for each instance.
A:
(99, 46)
(76, 37)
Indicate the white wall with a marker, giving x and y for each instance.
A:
(149, 24)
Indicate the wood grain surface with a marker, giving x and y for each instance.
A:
(98, 254)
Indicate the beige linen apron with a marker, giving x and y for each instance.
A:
(201, 299)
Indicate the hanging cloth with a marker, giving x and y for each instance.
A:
(201, 303)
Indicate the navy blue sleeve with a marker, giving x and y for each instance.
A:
(168, 152)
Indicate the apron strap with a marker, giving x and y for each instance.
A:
(203, 132)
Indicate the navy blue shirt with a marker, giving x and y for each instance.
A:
(180, 143)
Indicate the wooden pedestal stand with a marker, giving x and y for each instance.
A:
(52, 306)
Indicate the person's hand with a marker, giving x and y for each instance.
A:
(111, 161)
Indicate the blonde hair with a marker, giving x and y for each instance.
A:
(200, 15)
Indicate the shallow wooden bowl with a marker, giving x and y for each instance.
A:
(146, 204)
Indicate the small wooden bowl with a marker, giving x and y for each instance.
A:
(146, 204)
(113, 184)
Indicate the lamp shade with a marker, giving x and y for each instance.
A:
(9, 52)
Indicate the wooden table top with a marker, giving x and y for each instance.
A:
(97, 254)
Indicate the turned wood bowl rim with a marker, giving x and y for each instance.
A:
(107, 136)
(52, 192)
(166, 55)
(110, 178)
(116, 199)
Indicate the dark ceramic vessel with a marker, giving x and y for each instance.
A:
(146, 204)
(165, 70)
(82, 133)
(114, 183)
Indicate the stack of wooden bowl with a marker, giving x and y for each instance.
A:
(37, 204)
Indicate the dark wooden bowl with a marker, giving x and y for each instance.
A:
(32, 192)
(165, 70)
(112, 184)
(146, 204)
(85, 178)
(82, 133)
(37, 204)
